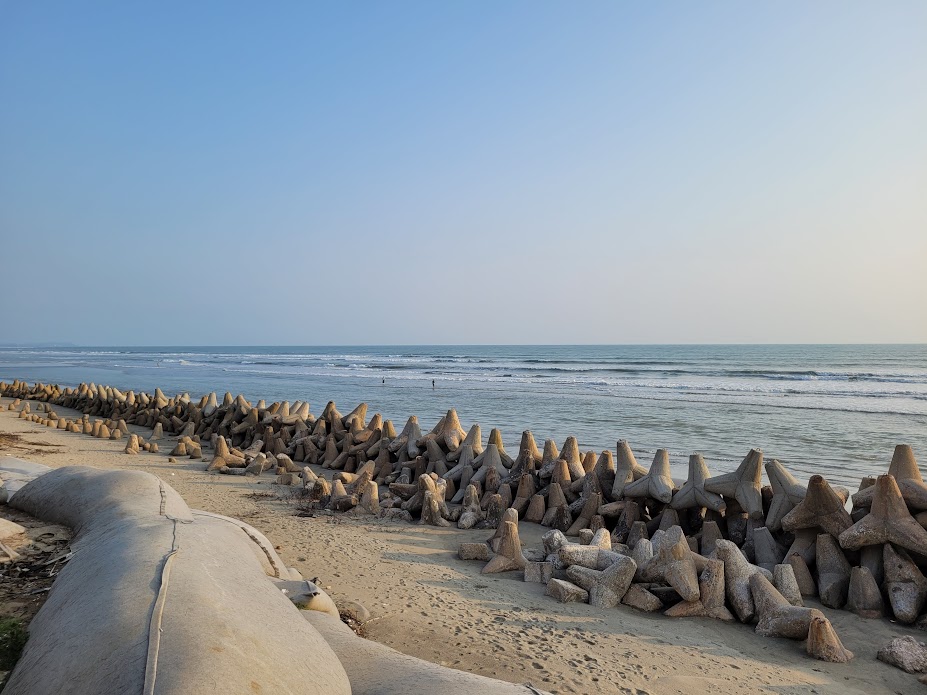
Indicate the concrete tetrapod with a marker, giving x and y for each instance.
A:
(905, 585)
(570, 454)
(613, 584)
(710, 535)
(804, 544)
(711, 602)
(566, 592)
(496, 538)
(605, 587)
(495, 438)
(864, 597)
(657, 484)
(604, 471)
(629, 516)
(167, 633)
(787, 492)
(537, 507)
(642, 554)
(640, 598)
(908, 476)
(490, 459)
(370, 499)
(786, 584)
(674, 563)
(888, 521)
(822, 507)
(823, 643)
(585, 516)
(471, 513)
(833, 572)
(693, 494)
(627, 470)
(743, 484)
(550, 454)
(451, 434)
(558, 512)
(464, 461)
(669, 517)
(431, 509)
(737, 573)
(526, 490)
(806, 584)
(528, 455)
(638, 532)
(474, 440)
(766, 551)
(508, 555)
(778, 617)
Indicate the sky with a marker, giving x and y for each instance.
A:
(227, 173)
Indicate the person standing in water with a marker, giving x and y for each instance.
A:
(432, 384)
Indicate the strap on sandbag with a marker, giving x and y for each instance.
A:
(157, 611)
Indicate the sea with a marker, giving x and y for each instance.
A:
(833, 410)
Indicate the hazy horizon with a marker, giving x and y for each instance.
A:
(474, 173)
(53, 344)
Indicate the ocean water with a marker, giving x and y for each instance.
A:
(836, 410)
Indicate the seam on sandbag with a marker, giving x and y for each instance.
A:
(252, 537)
(261, 546)
(163, 492)
(157, 611)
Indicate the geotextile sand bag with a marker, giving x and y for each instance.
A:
(160, 601)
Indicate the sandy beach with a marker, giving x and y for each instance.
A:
(425, 602)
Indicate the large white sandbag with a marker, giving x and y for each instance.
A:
(158, 601)
(15, 473)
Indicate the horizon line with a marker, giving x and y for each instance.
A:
(54, 344)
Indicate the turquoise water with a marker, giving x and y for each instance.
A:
(834, 410)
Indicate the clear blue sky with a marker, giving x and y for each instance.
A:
(463, 172)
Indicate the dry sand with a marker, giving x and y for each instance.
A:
(427, 603)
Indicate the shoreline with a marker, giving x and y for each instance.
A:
(426, 603)
(667, 398)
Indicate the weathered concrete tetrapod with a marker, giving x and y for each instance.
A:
(904, 584)
(908, 476)
(508, 555)
(823, 643)
(674, 563)
(737, 573)
(744, 484)
(833, 572)
(778, 617)
(693, 494)
(787, 492)
(786, 584)
(864, 597)
(711, 601)
(657, 484)
(822, 507)
(888, 521)
(627, 469)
